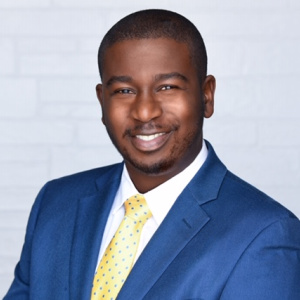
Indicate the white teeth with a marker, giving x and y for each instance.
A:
(149, 137)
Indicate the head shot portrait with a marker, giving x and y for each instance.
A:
(169, 219)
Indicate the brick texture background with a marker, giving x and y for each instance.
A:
(50, 122)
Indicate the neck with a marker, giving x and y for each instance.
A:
(144, 182)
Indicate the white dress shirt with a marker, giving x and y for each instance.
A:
(159, 200)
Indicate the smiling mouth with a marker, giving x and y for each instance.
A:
(150, 142)
(149, 137)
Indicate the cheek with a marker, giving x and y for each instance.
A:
(189, 111)
(115, 115)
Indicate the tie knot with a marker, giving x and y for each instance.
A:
(137, 208)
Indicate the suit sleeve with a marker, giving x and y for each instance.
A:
(20, 287)
(270, 267)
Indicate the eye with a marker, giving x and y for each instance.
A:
(167, 87)
(124, 91)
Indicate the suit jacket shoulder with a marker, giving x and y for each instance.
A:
(63, 236)
(85, 182)
(222, 239)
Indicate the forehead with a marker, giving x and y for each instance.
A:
(146, 56)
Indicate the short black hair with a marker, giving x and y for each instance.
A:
(157, 23)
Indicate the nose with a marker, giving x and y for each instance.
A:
(146, 108)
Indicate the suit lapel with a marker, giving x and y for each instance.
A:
(92, 213)
(185, 219)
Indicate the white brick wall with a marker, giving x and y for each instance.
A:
(51, 121)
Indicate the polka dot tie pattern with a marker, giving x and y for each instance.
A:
(118, 257)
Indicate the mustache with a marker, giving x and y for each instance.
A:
(149, 127)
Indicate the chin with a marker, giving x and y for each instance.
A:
(157, 168)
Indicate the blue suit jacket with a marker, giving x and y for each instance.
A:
(222, 239)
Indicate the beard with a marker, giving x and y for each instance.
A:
(178, 151)
(158, 167)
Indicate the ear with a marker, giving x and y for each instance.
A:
(208, 88)
(100, 98)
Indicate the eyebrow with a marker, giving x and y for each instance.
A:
(171, 75)
(115, 79)
(158, 77)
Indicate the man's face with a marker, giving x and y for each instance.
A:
(153, 104)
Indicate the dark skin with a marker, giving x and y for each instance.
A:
(153, 107)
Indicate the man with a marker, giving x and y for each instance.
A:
(206, 235)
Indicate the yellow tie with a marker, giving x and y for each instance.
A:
(118, 257)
